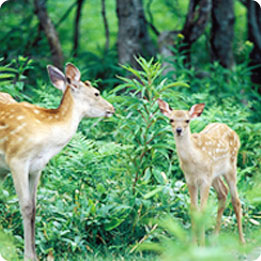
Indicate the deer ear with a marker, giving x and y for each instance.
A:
(72, 72)
(57, 77)
(196, 110)
(164, 108)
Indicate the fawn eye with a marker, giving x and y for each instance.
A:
(96, 94)
(171, 120)
(187, 121)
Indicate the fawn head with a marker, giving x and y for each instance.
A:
(84, 94)
(179, 119)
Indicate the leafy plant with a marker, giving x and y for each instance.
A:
(12, 77)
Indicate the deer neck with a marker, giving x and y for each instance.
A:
(66, 118)
(185, 146)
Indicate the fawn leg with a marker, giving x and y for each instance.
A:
(193, 192)
(222, 192)
(204, 192)
(231, 180)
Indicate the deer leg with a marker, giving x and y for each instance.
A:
(33, 183)
(204, 192)
(193, 192)
(21, 181)
(222, 192)
(231, 180)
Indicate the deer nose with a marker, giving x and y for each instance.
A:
(178, 130)
(110, 111)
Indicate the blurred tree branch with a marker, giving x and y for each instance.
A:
(151, 21)
(50, 33)
(254, 35)
(243, 2)
(76, 27)
(196, 21)
(39, 35)
(66, 14)
(106, 26)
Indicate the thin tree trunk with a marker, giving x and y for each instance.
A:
(106, 26)
(254, 35)
(196, 22)
(66, 14)
(222, 32)
(133, 37)
(151, 22)
(195, 25)
(76, 27)
(50, 32)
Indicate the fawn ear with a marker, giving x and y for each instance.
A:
(196, 110)
(57, 77)
(72, 72)
(164, 108)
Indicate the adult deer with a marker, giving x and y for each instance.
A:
(30, 136)
(204, 157)
(6, 98)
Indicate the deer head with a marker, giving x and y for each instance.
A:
(85, 96)
(180, 119)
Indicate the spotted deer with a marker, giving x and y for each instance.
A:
(204, 158)
(6, 98)
(30, 136)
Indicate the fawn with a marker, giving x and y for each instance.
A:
(204, 157)
(30, 136)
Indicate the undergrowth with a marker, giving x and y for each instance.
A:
(116, 192)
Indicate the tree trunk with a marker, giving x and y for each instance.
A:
(254, 35)
(133, 37)
(222, 32)
(196, 22)
(76, 27)
(106, 26)
(50, 32)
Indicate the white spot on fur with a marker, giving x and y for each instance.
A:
(20, 139)
(20, 127)
(20, 117)
(36, 111)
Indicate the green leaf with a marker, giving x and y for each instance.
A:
(153, 192)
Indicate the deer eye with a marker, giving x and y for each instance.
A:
(187, 121)
(87, 83)
(96, 94)
(68, 80)
(171, 120)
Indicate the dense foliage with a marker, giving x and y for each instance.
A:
(116, 192)
(116, 182)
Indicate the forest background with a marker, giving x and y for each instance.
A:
(116, 192)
